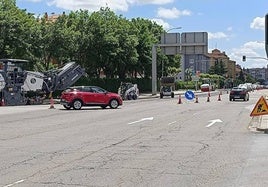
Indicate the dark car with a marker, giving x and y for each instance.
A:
(78, 96)
(238, 93)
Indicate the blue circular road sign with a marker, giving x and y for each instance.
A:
(189, 95)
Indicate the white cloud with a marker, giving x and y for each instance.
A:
(254, 45)
(155, 2)
(35, 1)
(90, 5)
(164, 24)
(217, 35)
(95, 5)
(254, 51)
(258, 23)
(172, 13)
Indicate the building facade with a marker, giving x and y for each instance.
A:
(216, 56)
(259, 74)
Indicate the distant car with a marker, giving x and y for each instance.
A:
(207, 87)
(238, 93)
(79, 96)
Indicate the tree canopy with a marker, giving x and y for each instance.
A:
(101, 41)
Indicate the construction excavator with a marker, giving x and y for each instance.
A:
(16, 83)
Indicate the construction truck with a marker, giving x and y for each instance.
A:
(128, 91)
(16, 83)
(167, 87)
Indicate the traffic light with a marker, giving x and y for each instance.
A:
(244, 58)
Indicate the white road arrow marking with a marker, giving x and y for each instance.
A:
(143, 119)
(212, 122)
(172, 122)
(13, 184)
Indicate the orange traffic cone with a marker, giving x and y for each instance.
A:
(196, 99)
(219, 98)
(179, 102)
(51, 100)
(2, 102)
(51, 103)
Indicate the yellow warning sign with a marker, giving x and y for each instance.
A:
(261, 108)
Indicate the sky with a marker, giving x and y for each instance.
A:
(236, 27)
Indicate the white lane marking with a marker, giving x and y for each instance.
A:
(143, 119)
(172, 122)
(20, 181)
(212, 122)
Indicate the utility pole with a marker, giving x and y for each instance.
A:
(154, 73)
(266, 34)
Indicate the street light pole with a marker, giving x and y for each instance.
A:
(154, 81)
(154, 74)
(162, 68)
(165, 43)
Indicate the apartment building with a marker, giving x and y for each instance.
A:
(216, 56)
(260, 74)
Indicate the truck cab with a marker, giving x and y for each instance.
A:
(166, 91)
(167, 87)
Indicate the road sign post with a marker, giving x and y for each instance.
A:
(189, 95)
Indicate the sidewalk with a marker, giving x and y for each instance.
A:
(259, 123)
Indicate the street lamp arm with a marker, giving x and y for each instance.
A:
(252, 57)
(174, 28)
(258, 58)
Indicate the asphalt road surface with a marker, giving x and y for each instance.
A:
(146, 142)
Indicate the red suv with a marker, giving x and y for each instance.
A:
(78, 96)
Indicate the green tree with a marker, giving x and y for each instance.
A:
(174, 65)
(16, 28)
(241, 77)
(126, 60)
(100, 41)
(219, 68)
(148, 33)
(104, 44)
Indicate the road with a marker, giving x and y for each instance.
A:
(146, 142)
